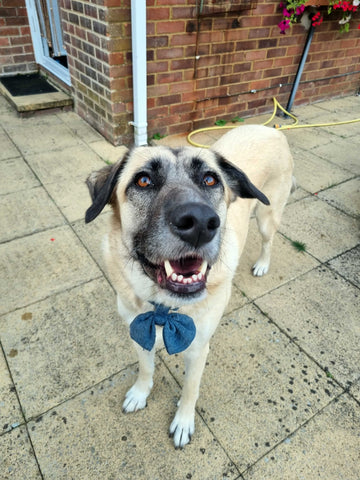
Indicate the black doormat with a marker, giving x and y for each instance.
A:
(30, 84)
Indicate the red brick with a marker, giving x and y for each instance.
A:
(276, 52)
(157, 90)
(207, 82)
(157, 13)
(259, 33)
(157, 67)
(183, 12)
(4, 41)
(183, 39)
(168, 99)
(181, 87)
(169, 53)
(169, 77)
(170, 27)
(182, 64)
(181, 107)
(156, 42)
(222, 47)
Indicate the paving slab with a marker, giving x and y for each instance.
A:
(16, 176)
(80, 128)
(8, 149)
(346, 196)
(326, 308)
(5, 106)
(68, 354)
(326, 448)
(92, 234)
(348, 265)
(72, 162)
(71, 196)
(314, 174)
(54, 135)
(238, 299)
(307, 138)
(350, 103)
(10, 412)
(257, 387)
(320, 227)
(67, 342)
(286, 264)
(17, 457)
(107, 152)
(306, 113)
(26, 212)
(42, 264)
(334, 152)
(355, 390)
(89, 437)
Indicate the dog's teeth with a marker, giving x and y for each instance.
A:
(194, 277)
(174, 277)
(203, 267)
(180, 278)
(168, 268)
(200, 276)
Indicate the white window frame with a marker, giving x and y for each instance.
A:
(41, 57)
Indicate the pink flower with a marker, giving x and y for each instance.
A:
(283, 25)
(299, 10)
(286, 13)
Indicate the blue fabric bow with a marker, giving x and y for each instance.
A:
(178, 329)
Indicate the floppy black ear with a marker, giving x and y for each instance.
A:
(239, 182)
(101, 185)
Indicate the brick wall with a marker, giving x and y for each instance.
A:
(203, 71)
(87, 44)
(16, 51)
(198, 70)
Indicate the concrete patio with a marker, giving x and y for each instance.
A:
(280, 396)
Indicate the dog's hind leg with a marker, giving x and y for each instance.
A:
(135, 398)
(183, 425)
(267, 227)
(268, 220)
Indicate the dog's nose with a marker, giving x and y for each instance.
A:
(195, 223)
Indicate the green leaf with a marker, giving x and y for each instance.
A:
(220, 123)
(158, 136)
(299, 246)
(237, 119)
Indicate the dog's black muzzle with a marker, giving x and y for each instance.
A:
(193, 222)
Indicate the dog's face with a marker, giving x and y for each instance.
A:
(171, 207)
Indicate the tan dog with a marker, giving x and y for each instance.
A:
(180, 221)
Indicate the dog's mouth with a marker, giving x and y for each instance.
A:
(185, 276)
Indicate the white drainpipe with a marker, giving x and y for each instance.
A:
(138, 32)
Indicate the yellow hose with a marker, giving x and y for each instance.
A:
(278, 127)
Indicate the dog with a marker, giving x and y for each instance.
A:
(179, 224)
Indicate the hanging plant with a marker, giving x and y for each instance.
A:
(293, 11)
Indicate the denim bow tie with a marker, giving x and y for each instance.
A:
(178, 329)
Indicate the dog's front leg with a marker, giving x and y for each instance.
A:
(183, 425)
(135, 398)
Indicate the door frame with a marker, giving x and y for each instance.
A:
(41, 57)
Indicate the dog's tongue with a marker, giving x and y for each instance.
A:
(186, 266)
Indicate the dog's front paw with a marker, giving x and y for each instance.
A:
(182, 429)
(260, 268)
(135, 399)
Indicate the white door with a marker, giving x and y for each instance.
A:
(46, 33)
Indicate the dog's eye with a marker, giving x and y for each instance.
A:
(143, 181)
(210, 180)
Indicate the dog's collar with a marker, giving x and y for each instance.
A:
(178, 329)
